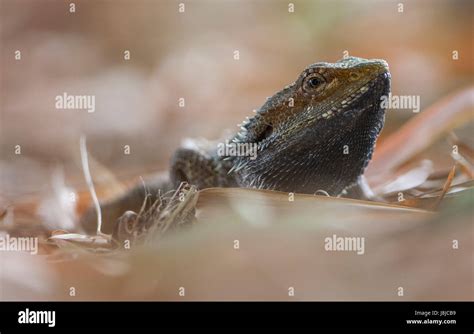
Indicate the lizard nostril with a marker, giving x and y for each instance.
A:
(266, 133)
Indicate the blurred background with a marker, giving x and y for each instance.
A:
(190, 55)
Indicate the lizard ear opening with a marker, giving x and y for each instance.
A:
(265, 133)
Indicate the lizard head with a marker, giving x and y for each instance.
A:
(317, 133)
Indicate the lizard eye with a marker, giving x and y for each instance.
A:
(354, 76)
(314, 83)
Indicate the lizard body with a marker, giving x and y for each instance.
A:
(317, 133)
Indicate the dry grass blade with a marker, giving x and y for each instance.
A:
(262, 209)
(446, 187)
(406, 179)
(155, 219)
(463, 155)
(90, 184)
(421, 132)
(66, 240)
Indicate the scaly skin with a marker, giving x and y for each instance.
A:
(316, 134)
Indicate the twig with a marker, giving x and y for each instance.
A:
(446, 186)
(90, 184)
(421, 132)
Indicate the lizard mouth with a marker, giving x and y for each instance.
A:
(366, 97)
